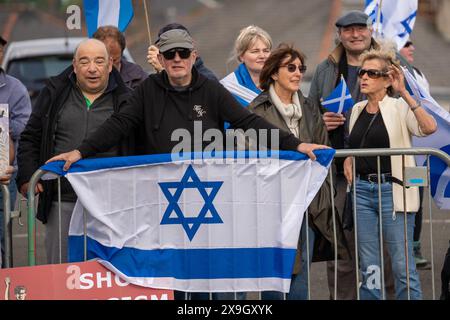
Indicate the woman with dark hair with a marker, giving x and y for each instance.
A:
(283, 104)
(383, 121)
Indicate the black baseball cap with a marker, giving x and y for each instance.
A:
(171, 26)
(3, 41)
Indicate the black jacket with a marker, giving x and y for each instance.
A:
(37, 140)
(159, 110)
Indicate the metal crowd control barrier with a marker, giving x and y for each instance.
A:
(339, 154)
(7, 226)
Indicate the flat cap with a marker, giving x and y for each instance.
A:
(176, 38)
(353, 17)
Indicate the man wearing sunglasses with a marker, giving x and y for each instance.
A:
(179, 97)
(153, 51)
(354, 36)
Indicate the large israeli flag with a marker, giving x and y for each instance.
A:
(228, 224)
(107, 13)
(340, 100)
(392, 19)
(439, 172)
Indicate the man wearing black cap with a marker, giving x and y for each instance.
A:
(15, 95)
(153, 51)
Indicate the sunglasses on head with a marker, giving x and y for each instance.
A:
(372, 73)
(182, 52)
(292, 67)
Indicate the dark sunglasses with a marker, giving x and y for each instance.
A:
(372, 73)
(182, 52)
(292, 67)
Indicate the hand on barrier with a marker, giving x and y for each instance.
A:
(68, 157)
(5, 177)
(24, 189)
(308, 148)
(333, 120)
(152, 58)
(348, 169)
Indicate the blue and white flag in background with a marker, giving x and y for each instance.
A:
(397, 18)
(211, 226)
(439, 171)
(340, 100)
(107, 13)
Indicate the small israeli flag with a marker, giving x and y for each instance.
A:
(99, 13)
(340, 100)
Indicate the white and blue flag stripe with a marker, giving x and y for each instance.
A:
(340, 100)
(392, 19)
(99, 13)
(439, 171)
(194, 225)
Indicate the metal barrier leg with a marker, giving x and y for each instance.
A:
(59, 221)
(307, 255)
(431, 229)
(380, 213)
(333, 212)
(405, 230)
(7, 226)
(355, 228)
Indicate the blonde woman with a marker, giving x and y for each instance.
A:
(382, 121)
(252, 48)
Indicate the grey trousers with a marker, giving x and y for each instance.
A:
(56, 242)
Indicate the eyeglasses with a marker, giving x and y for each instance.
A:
(372, 73)
(292, 67)
(182, 52)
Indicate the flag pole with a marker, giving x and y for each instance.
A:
(148, 22)
(377, 31)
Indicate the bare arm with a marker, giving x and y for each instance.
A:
(426, 122)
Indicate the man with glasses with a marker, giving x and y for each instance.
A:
(354, 35)
(15, 95)
(71, 106)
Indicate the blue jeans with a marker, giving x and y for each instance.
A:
(299, 282)
(393, 235)
(13, 193)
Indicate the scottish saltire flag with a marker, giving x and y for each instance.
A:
(107, 13)
(440, 172)
(340, 100)
(190, 225)
(396, 19)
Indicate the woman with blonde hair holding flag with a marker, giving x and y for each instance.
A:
(383, 121)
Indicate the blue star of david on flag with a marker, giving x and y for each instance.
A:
(340, 100)
(190, 180)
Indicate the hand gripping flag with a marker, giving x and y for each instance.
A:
(395, 21)
(340, 100)
(439, 172)
(99, 13)
(228, 224)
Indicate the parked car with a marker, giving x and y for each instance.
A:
(34, 61)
